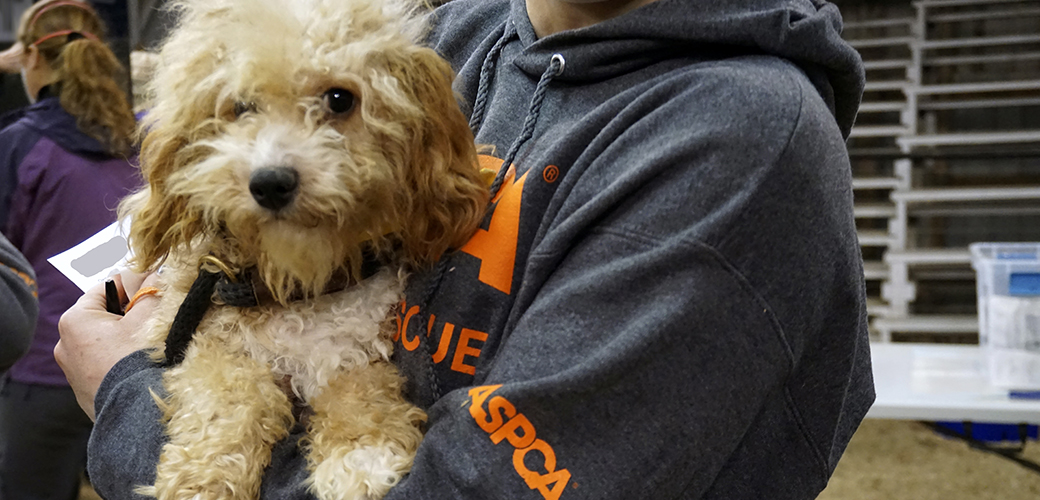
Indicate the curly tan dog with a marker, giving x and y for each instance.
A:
(313, 152)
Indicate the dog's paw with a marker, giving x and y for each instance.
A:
(211, 477)
(364, 473)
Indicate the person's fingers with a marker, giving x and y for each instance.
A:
(62, 354)
(142, 310)
(92, 340)
(91, 301)
(145, 305)
(119, 288)
(90, 308)
(151, 279)
(132, 282)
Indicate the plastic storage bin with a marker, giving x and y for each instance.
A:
(1008, 278)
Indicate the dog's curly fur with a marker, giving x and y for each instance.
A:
(243, 85)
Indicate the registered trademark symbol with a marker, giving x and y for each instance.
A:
(551, 173)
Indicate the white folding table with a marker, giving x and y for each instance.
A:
(942, 383)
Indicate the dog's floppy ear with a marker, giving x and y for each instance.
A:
(159, 221)
(451, 197)
(182, 101)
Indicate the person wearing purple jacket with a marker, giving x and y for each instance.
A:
(64, 166)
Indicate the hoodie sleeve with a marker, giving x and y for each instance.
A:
(128, 435)
(18, 304)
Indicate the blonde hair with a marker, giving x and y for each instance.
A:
(70, 38)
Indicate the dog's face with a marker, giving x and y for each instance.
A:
(290, 134)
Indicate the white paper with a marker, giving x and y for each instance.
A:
(96, 259)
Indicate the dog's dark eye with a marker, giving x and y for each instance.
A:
(338, 101)
(242, 108)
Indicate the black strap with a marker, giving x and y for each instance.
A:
(190, 314)
(247, 289)
(240, 292)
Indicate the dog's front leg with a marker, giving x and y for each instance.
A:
(223, 414)
(363, 434)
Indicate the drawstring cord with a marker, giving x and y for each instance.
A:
(424, 313)
(486, 71)
(555, 68)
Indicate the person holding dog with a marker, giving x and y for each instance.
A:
(64, 165)
(666, 300)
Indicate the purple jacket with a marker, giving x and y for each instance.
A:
(58, 187)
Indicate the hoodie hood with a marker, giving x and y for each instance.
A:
(805, 32)
(53, 122)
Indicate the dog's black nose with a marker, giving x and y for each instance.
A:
(274, 188)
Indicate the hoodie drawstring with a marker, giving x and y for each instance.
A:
(486, 71)
(555, 68)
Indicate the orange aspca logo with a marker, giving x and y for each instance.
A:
(496, 246)
(503, 423)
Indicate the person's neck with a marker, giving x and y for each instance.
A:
(553, 16)
(48, 91)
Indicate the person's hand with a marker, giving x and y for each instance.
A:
(93, 339)
(10, 59)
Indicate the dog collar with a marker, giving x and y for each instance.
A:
(247, 289)
(244, 289)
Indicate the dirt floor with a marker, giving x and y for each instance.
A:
(899, 460)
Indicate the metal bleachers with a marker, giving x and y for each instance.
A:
(946, 150)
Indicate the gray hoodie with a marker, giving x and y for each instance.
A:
(18, 304)
(666, 297)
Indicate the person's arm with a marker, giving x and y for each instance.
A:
(18, 304)
(705, 362)
(103, 364)
(662, 359)
(129, 438)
